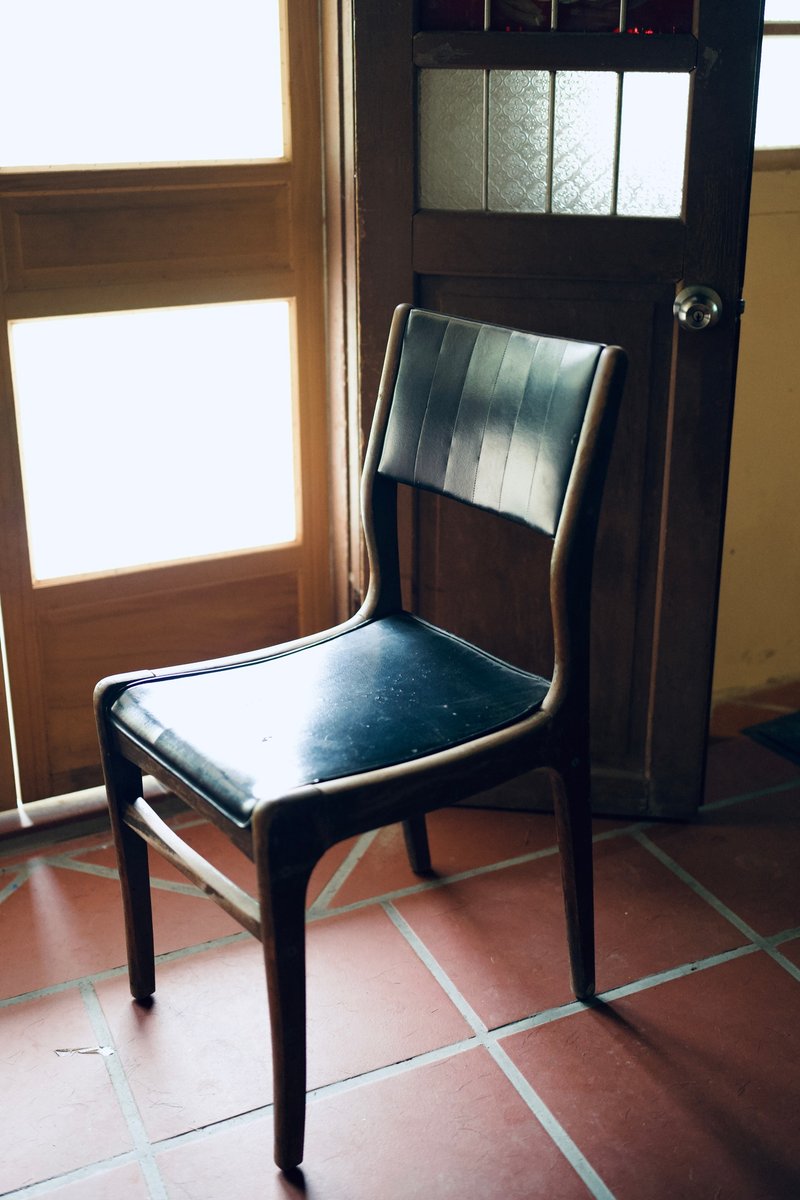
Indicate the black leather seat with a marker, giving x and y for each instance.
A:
(385, 717)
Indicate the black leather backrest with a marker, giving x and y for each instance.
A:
(488, 415)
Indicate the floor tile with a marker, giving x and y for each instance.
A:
(791, 950)
(687, 1090)
(116, 1183)
(61, 1112)
(209, 841)
(501, 936)
(748, 855)
(200, 1054)
(739, 766)
(63, 924)
(455, 1130)
(460, 840)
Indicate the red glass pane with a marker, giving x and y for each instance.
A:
(451, 14)
(593, 16)
(521, 16)
(660, 16)
(588, 16)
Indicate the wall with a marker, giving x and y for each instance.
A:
(758, 637)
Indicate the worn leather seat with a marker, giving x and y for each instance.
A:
(385, 717)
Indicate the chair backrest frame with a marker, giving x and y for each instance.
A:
(574, 524)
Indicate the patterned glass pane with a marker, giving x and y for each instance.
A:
(521, 16)
(450, 147)
(652, 145)
(519, 115)
(584, 142)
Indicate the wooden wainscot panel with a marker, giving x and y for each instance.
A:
(119, 235)
(155, 630)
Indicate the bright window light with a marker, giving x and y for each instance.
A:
(778, 113)
(92, 82)
(155, 435)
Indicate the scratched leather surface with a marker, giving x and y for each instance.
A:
(387, 691)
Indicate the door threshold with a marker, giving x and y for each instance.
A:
(57, 818)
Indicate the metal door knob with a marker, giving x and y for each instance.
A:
(697, 308)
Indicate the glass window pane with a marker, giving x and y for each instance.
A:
(182, 80)
(584, 141)
(450, 148)
(519, 117)
(782, 10)
(655, 110)
(521, 16)
(778, 115)
(588, 16)
(451, 14)
(660, 16)
(155, 435)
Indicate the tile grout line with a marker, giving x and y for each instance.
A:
(760, 942)
(45, 1187)
(547, 1119)
(571, 1151)
(114, 972)
(125, 1099)
(729, 801)
(15, 883)
(472, 873)
(342, 872)
(64, 863)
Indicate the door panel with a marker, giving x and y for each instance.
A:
(629, 523)
(124, 239)
(602, 276)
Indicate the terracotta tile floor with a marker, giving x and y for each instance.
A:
(447, 1058)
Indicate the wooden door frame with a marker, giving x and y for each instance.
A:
(692, 514)
(238, 270)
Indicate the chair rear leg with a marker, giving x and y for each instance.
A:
(573, 811)
(282, 895)
(123, 787)
(415, 832)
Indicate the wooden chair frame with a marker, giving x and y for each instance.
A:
(289, 833)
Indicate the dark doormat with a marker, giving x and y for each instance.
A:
(782, 735)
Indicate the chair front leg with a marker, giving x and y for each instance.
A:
(124, 787)
(282, 894)
(571, 790)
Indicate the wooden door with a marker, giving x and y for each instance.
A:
(558, 253)
(170, 238)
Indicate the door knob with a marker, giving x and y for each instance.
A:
(697, 308)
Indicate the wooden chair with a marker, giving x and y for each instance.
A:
(385, 717)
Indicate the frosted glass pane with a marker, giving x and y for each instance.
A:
(655, 111)
(519, 115)
(778, 114)
(153, 435)
(93, 82)
(584, 142)
(450, 148)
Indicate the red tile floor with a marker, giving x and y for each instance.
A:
(447, 1057)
